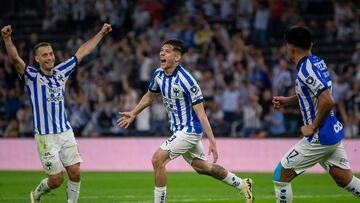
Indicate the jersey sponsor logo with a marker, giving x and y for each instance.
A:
(55, 99)
(309, 80)
(55, 90)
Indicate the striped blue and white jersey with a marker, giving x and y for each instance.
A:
(312, 79)
(47, 97)
(180, 92)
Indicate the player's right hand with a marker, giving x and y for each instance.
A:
(126, 118)
(6, 31)
(279, 101)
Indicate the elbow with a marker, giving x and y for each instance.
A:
(329, 104)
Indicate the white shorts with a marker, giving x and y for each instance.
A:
(305, 155)
(57, 151)
(188, 145)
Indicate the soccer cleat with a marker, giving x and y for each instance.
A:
(247, 190)
(32, 198)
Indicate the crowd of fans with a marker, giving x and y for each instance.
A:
(236, 53)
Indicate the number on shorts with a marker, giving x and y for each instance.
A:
(338, 126)
(292, 154)
(171, 139)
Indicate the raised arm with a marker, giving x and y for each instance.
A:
(88, 46)
(200, 112)
(11, 49)
(128, 117)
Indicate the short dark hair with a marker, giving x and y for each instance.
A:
(299, 36)
(41, 44)
(178, 45)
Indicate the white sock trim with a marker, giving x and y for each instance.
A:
(283, 191)
(73, 191)
(42, 188)
(354, 186)
(233, 180)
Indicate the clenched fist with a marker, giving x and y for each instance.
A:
(6, 31)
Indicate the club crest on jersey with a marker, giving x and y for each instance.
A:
(60, 77)
(176, 91)
(194, 89)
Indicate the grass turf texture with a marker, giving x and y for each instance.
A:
(137, 187)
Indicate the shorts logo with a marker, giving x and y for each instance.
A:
(343, 161)
(48, 165)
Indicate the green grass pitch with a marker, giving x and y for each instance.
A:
(137, 187)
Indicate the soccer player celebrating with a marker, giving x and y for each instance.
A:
(183, 101)
(322, 131)
(54, 136)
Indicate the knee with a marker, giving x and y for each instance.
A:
(157, 162)
(74, 175)
(55, 180)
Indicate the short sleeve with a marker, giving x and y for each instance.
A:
(67, 67)
(191, 87)
(29, 73)
(154, 86)
(312, 79)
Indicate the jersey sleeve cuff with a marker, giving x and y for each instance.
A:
(320, 91)
(76, 60)
(155, 91)
(197, 102)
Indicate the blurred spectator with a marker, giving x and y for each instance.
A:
(261, 21)
(24, 117)
(251, 117)
(274, 123)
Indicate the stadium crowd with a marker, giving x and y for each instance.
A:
(235, 51)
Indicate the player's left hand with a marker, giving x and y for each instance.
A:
(213, 150)
(308, 130)
(106, 28)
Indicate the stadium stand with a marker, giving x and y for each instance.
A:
(235, 50)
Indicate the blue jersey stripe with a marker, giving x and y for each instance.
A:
(66, 121)
(44, 105)
(188, 116)
(178, 107)
(163, 86)
(187, 77)
(60, 116)
(53, 111)
(196, 122)
(66, 65)
(171, 106)
(37, 107)
(303, 109)
(303, 69)
(311, 106)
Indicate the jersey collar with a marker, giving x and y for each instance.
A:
(174, 72)
(298, 66)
